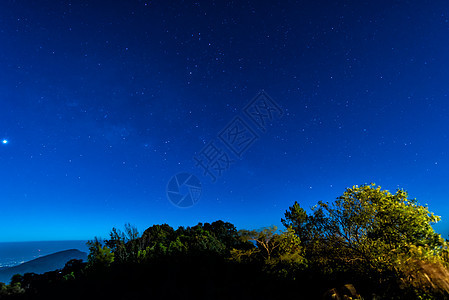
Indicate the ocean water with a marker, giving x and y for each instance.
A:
(15, 253)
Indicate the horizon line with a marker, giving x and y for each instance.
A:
(40, 241)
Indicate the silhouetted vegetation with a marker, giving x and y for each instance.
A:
(367, 242)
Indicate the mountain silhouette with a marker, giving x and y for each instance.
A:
(42, 264)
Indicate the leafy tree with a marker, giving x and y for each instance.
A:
(14, 288)
(264, 239)
(297, 219)
(69, 276)
(198, 240)
(99, 256)
(158, 234)
(290, 249)
(176, 247)
(74, 265)
(16, 279)
(271, 247)
(125, 245)
(225, 232)
(155, 241)
(367, 230)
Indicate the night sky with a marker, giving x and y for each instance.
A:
(103, 102)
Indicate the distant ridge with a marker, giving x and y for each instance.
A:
(42, 264)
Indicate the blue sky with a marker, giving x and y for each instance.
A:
(102, 103)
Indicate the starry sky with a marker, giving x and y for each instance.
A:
(103, 102)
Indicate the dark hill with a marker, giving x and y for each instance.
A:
(42, 264)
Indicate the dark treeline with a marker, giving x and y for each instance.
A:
(367, 244)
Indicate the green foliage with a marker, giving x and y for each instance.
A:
(125, 245)
(297, 219)
(14, 288)
(16, 279)
(290, 249)
(367, 231)
(157, 234)
(225, 232)
(384, 242)
(99, 256)
(265, 239)
(159, 241)
(280, 253)
(70, 276)
(198, 240)
(177, 247)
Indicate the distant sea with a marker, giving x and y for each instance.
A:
(15, 253)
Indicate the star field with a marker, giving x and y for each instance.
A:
(103, 103)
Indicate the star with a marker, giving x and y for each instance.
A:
(5, 142)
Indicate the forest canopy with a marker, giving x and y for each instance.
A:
(381, 243)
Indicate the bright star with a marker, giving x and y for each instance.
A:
(5, 141)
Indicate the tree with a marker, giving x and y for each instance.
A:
(297, 218)
(158, 234)
(290, 249)
(14, 288)
(199, 240)
(366, 229)
(264, 240)
(99, 256)
(271, 247)
(16, 279)
(225, 232)
(125, 245)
